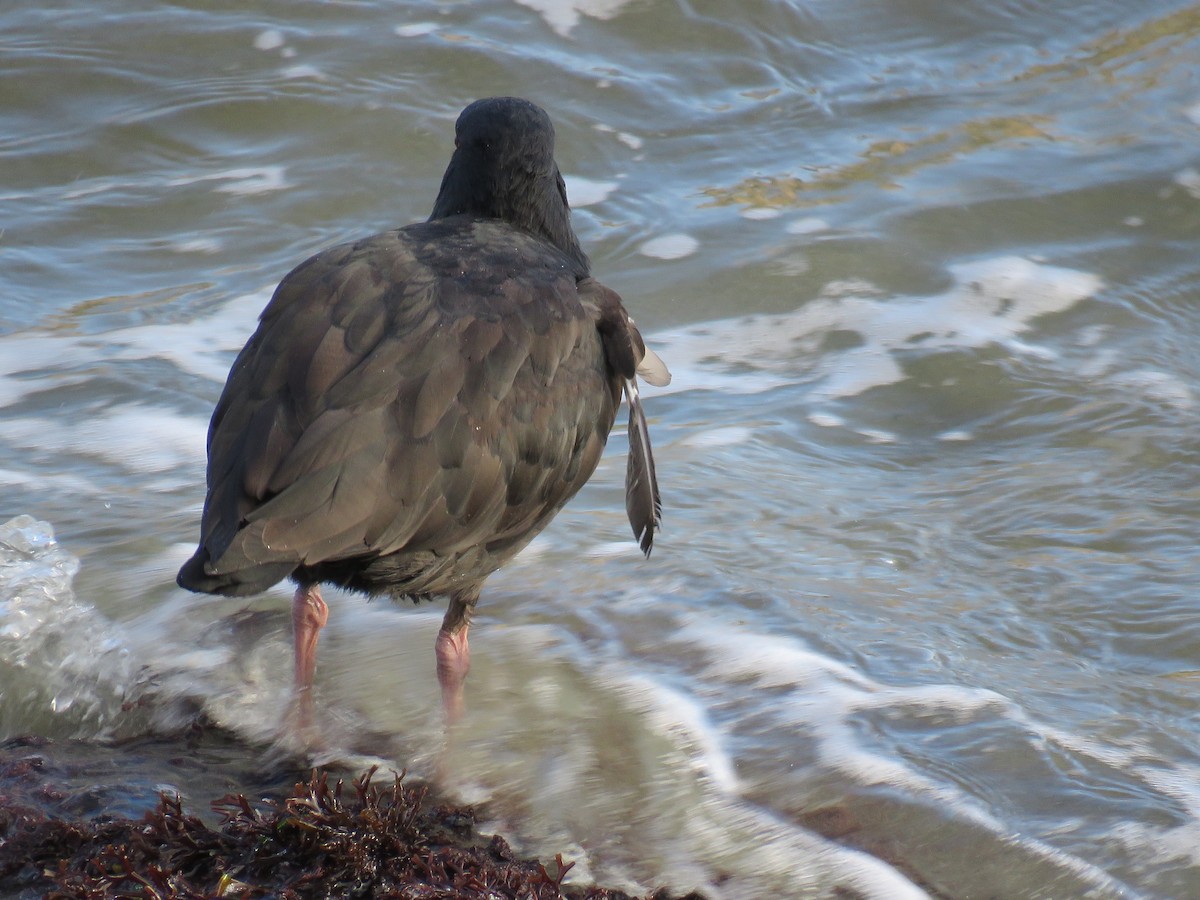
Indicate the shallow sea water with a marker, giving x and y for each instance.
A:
(923, 616)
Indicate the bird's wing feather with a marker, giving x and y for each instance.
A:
(642, 501)
(628, 356)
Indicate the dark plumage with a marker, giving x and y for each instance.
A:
(416, 406)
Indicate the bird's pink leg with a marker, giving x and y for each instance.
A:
(453, 653)
(453, 663)
(309, 615)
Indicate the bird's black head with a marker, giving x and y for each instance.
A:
(503, 168)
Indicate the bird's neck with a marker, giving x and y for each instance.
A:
(536, 204)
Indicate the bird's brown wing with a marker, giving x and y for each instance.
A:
(424, 391)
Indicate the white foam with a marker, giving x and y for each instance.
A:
(139, 438)
(241, 180)
(41, 480)
(791, 263)
(993, 301)
(1175, 843)
(720, 437)
(564, 15)
(25, 356)
(825, 696)
(1189, 180)
(825, 420)
(583, 192)
(196, 245)
(416, 29)
(756, 846)
(270, 39)
(877, 436)
(56, 652)
(612, 548)
(756, 853)
(673, 713)
(629, 140)
(806, 225)
(672, 765)
(92, 186)
(252, 180)
(1161, 387)
(670, 246)
(294, 73)
(35, 360)
(201, 347)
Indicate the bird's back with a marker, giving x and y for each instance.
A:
(411, 411)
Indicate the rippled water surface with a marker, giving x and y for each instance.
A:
(923, 616)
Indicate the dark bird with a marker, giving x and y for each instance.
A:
(416, 406)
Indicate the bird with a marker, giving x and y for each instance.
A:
(416, 406)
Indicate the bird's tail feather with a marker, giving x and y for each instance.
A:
(196, 575)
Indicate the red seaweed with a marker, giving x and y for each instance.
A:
(367, 839)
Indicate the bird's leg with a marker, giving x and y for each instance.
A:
(453, 663)
(309, 615)
(454, 655)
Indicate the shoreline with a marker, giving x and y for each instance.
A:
(76, 824)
